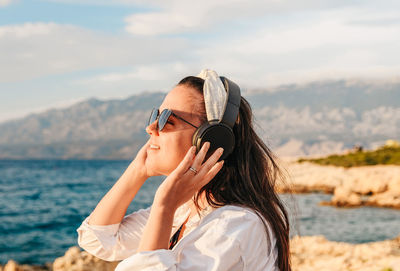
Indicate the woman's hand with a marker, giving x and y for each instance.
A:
(177, 188)
(112, 208)
(183, 183)
(139, 163)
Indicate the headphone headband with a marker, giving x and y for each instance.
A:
(232, 103)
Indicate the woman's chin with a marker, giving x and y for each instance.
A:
(153, 168)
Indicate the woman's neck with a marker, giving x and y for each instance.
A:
(202, 202)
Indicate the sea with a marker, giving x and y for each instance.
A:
(43, 202)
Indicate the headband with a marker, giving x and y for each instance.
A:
(215, 96)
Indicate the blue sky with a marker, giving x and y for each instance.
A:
(56, 53)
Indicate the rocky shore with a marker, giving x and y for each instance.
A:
(351, 187)
(74, 260)
(309, 253)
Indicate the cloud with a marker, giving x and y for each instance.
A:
(379, 121)
(316, 45)
(255, 43)
(277, 42)
(145, 73)
(325, 46)
(180, 16)
(152, 77)
(258, 44)
(41, 49)
(4, 3)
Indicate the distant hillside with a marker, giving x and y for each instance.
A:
(90, 129)
(328, 117)
(296, 120)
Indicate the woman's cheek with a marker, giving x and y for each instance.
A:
(176, 156)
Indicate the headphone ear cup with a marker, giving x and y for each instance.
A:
(219, 135)
(197, 136)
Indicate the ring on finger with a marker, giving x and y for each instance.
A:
(193, 169)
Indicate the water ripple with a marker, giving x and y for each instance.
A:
(42, 202)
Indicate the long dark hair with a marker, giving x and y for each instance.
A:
(248, 177)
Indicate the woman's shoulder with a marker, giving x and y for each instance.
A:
(233, 212)
(243, 225)
(236, 219)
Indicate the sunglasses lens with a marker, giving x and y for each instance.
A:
(162, 120)
(153, 116)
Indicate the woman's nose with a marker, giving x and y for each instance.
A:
(152, 128)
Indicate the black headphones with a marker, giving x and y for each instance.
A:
(220, 133)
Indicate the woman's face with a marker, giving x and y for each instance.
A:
(168, 147)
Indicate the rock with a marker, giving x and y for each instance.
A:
(369, 180)
(394, 185)
(388, 199)
(14, 266)
(77, 260)
(308, 253)
(345, 197)
(350, 187)
(316, 253)
(307, 177)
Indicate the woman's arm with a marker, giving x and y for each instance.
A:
(229, 238)
(112, 208)
(107, 233)
(177, 188)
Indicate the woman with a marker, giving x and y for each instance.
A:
(207, 214)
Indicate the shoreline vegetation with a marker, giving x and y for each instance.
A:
(307, 253)
(388, 154)
(375, 184)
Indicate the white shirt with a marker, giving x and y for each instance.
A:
(226, 238)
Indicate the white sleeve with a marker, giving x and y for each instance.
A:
(113, 242)
(234, 243)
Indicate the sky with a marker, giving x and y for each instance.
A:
(56, 53)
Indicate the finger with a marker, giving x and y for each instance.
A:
(187, 160)
(211, 173)
(198, 160)
(144, 147)
(206, 167)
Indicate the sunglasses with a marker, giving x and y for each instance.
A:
(163, 118)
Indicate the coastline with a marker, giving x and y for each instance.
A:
(377, 186)
(350, 187)
(307, 252)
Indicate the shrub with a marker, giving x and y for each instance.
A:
(386, 155)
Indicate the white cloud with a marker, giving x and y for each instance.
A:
(153, 77)
(27, 30)
(141, 73)
(4, 3)
(180, 16)
(40, 49)
(328, 40)
(255, 43)
(327, 46)
(379, 121)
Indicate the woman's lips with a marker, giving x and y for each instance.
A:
(154, 147)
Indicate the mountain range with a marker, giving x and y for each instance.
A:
(295, 120)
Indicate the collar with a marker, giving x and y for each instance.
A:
(183, 212)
